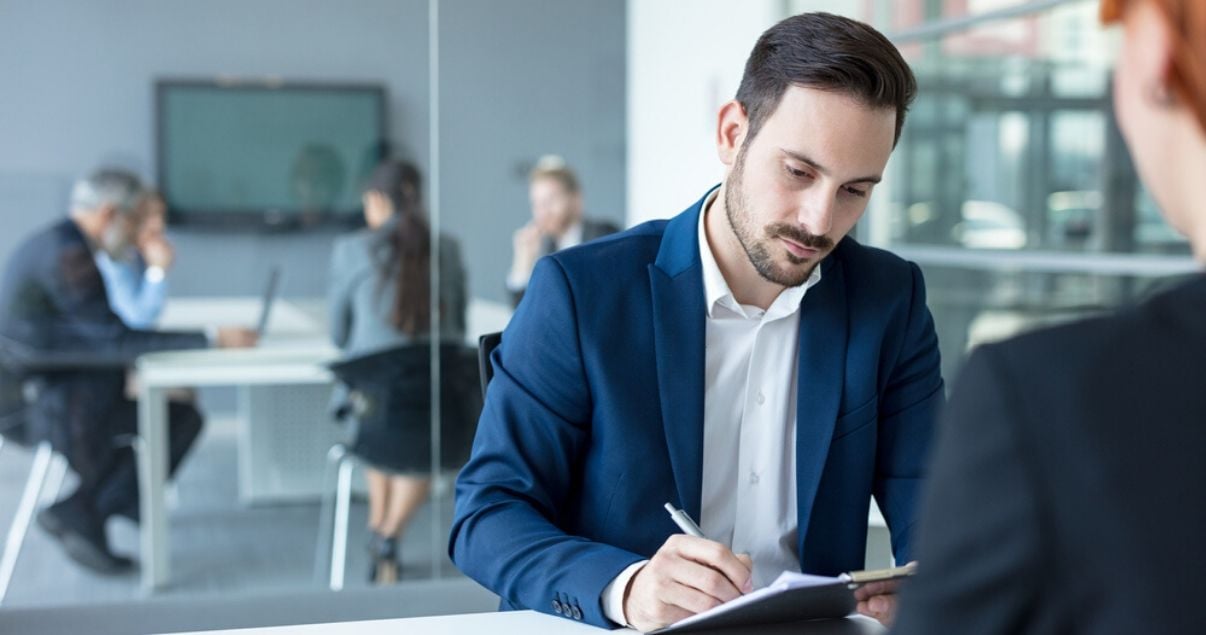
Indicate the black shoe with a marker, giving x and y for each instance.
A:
(82, 538)
(383, 559)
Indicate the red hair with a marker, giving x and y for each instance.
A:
(1187, 21)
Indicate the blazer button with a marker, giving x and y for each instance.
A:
(577, 613)
(557, 608)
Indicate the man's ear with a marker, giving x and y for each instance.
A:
(732, 124)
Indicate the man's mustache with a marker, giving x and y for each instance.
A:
(797, 235)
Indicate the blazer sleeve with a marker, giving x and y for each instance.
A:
(531, 440)
(83, 321)
(909, 407)
(980, 549)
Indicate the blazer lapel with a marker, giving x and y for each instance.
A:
(821, 373)
(679, 329)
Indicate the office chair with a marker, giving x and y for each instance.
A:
(389, 396)
(485, 348)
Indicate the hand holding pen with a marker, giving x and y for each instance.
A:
(689, 574)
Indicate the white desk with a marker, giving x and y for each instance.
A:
(159, 372)
(533, 623)
(295, 352)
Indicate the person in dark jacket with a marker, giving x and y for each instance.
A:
(1065, 494)
(53, 301)
(557, 221)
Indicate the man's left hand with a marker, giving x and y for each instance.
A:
(878, 600)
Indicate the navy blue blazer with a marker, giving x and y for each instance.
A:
(594, 418)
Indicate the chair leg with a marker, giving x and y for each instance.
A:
(339, 538)
(326, 511)
(54, 480)
(24, 515)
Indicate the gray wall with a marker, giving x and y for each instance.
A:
(520, 78)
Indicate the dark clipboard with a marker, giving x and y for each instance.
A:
(830, 601)
(825, 601)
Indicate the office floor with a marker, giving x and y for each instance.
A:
(218, 545)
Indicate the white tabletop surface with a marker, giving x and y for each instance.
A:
(508, 623)
(526, 623)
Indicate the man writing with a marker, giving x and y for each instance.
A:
(744, 361)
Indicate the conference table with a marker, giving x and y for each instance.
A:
(533, 623)
(295, 352)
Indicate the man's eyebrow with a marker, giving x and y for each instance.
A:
(803, 158)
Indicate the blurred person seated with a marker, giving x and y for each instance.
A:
(137, 284)
(53, 300)
(557, 221)
(1065, 493)
(379, 297)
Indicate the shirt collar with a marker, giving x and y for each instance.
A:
(572, 236)
(716, 288)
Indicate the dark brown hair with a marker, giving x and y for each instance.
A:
(827, 52)
(406, 258)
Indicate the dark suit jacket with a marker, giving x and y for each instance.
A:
(594, 418)
(52, 300)
(591, 229)
(1068, 490)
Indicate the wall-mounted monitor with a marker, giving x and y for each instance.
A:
(266, 154)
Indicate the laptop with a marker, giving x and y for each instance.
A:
(270, 292)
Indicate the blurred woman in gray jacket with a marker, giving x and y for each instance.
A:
(380, 297)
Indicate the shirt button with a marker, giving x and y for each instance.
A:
(557, 607)
(761, 398)
(753, 478)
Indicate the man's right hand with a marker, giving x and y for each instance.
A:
(236, 337)
(686, 576)
(526, 243)
(158, 252)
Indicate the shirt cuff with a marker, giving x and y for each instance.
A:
(211, 334)
(154, 274)
(517, 282)
(613, 593)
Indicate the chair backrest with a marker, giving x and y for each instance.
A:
(14, 398)
(390, 390)
(485, 347)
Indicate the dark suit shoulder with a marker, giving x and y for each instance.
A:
(1166, 326)
(597, 228)
(1102, 413)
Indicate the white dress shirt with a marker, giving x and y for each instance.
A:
(749, 458)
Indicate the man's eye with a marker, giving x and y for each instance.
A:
(854, 191)
(799, 174)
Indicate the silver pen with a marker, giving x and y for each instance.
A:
(684, 521)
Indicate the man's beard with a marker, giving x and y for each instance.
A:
(116, 244)
(759, 251)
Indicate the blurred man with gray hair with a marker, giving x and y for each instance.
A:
(53, 302)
